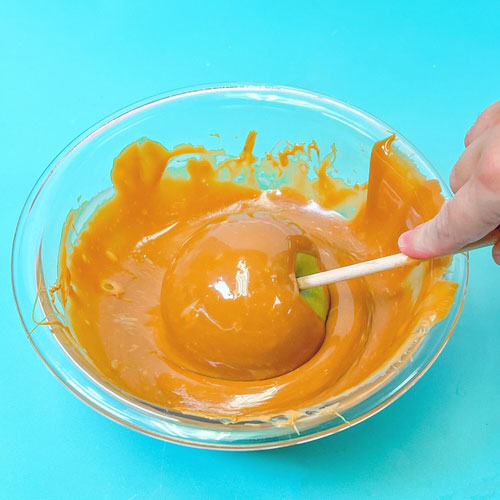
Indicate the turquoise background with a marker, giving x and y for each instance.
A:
(427, 68)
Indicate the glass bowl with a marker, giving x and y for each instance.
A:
(82, 170)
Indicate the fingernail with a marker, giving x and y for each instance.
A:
(410, 243)
(403, 241)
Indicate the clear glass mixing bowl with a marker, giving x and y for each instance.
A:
(82, 170)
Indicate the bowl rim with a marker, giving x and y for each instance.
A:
(150, 102)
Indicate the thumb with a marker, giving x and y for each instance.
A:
(472, 213)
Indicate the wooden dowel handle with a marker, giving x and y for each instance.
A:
(379, 265)
(355, 270)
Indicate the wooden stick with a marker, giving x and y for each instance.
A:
(381, 264)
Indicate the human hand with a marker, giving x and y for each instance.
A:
(474, 211)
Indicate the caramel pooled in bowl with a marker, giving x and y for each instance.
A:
(180, 288)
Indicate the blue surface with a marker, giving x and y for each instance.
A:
(426, 70)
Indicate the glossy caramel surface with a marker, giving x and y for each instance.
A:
(181, 288)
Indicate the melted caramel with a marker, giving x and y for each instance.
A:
(181, 288)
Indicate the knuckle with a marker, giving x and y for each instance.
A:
(439, 236)
(492, 114)
(488, 175)
(442, 226)
(448, 228)
(488, 118)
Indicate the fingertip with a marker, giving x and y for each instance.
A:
(403, 241)
(470, 136)
(496, 253)
(414, 243)
(409, 243)
(467, 138)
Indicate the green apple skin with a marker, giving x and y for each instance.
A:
(318, 297)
